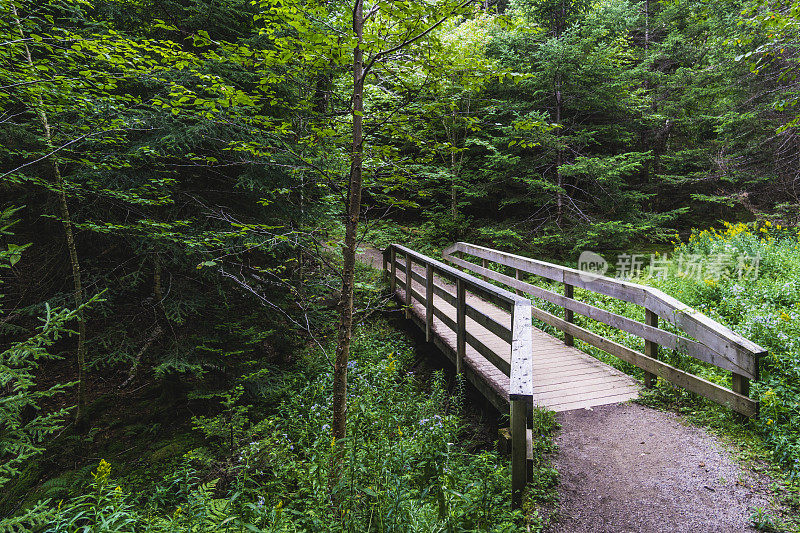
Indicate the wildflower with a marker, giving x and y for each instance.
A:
(103, 472)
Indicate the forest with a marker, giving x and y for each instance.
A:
(190, 337)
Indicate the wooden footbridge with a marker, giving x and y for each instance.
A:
(485, 326)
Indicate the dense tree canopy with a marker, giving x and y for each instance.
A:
(185, 184)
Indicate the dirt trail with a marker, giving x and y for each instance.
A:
(628, 468)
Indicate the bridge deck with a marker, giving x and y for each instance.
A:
(564, 377)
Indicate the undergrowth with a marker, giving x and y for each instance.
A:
(261, 468)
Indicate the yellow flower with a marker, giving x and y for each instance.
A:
(769, 421)
(399, 432)
(785, 316)
(103, 472)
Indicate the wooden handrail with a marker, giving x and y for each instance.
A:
(519, 335)
(714, 344)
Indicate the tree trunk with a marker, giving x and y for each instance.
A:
(559, 154)
(66, 220)
(353, 208)
(561, 17)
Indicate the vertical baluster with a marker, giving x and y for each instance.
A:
(741, 385)
(408, 285)
(428, 302)
(393, 277)
(569, 291)
(461, 324)
(517, 275)
(650, 347)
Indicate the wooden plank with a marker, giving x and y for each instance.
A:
(496, 397)
(495, 294)
(586, 381)
(521, 384)
(498, 329)
(485, 378)
(654, 299)
(712, 391)
(741, 354)
(446, 320)
(490, 354)
(747, 366)
(611, 287)
(582, 404)
(595, 390)
(472, 312)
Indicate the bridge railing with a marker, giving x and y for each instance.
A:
(415, 267)
(712, 342)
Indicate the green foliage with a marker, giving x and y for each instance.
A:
(26, 423)
(406, 468)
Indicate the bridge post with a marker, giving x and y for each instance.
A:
(461, 324)
(393, 277)
(650, 347)
(428, 302)
(517, 276)
(569, 292)
(740, 385)
(408, 285)
(519, 451)
(485, 264)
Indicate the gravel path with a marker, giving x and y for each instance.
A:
(627, 468)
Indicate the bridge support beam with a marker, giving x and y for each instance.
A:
(519, 451)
